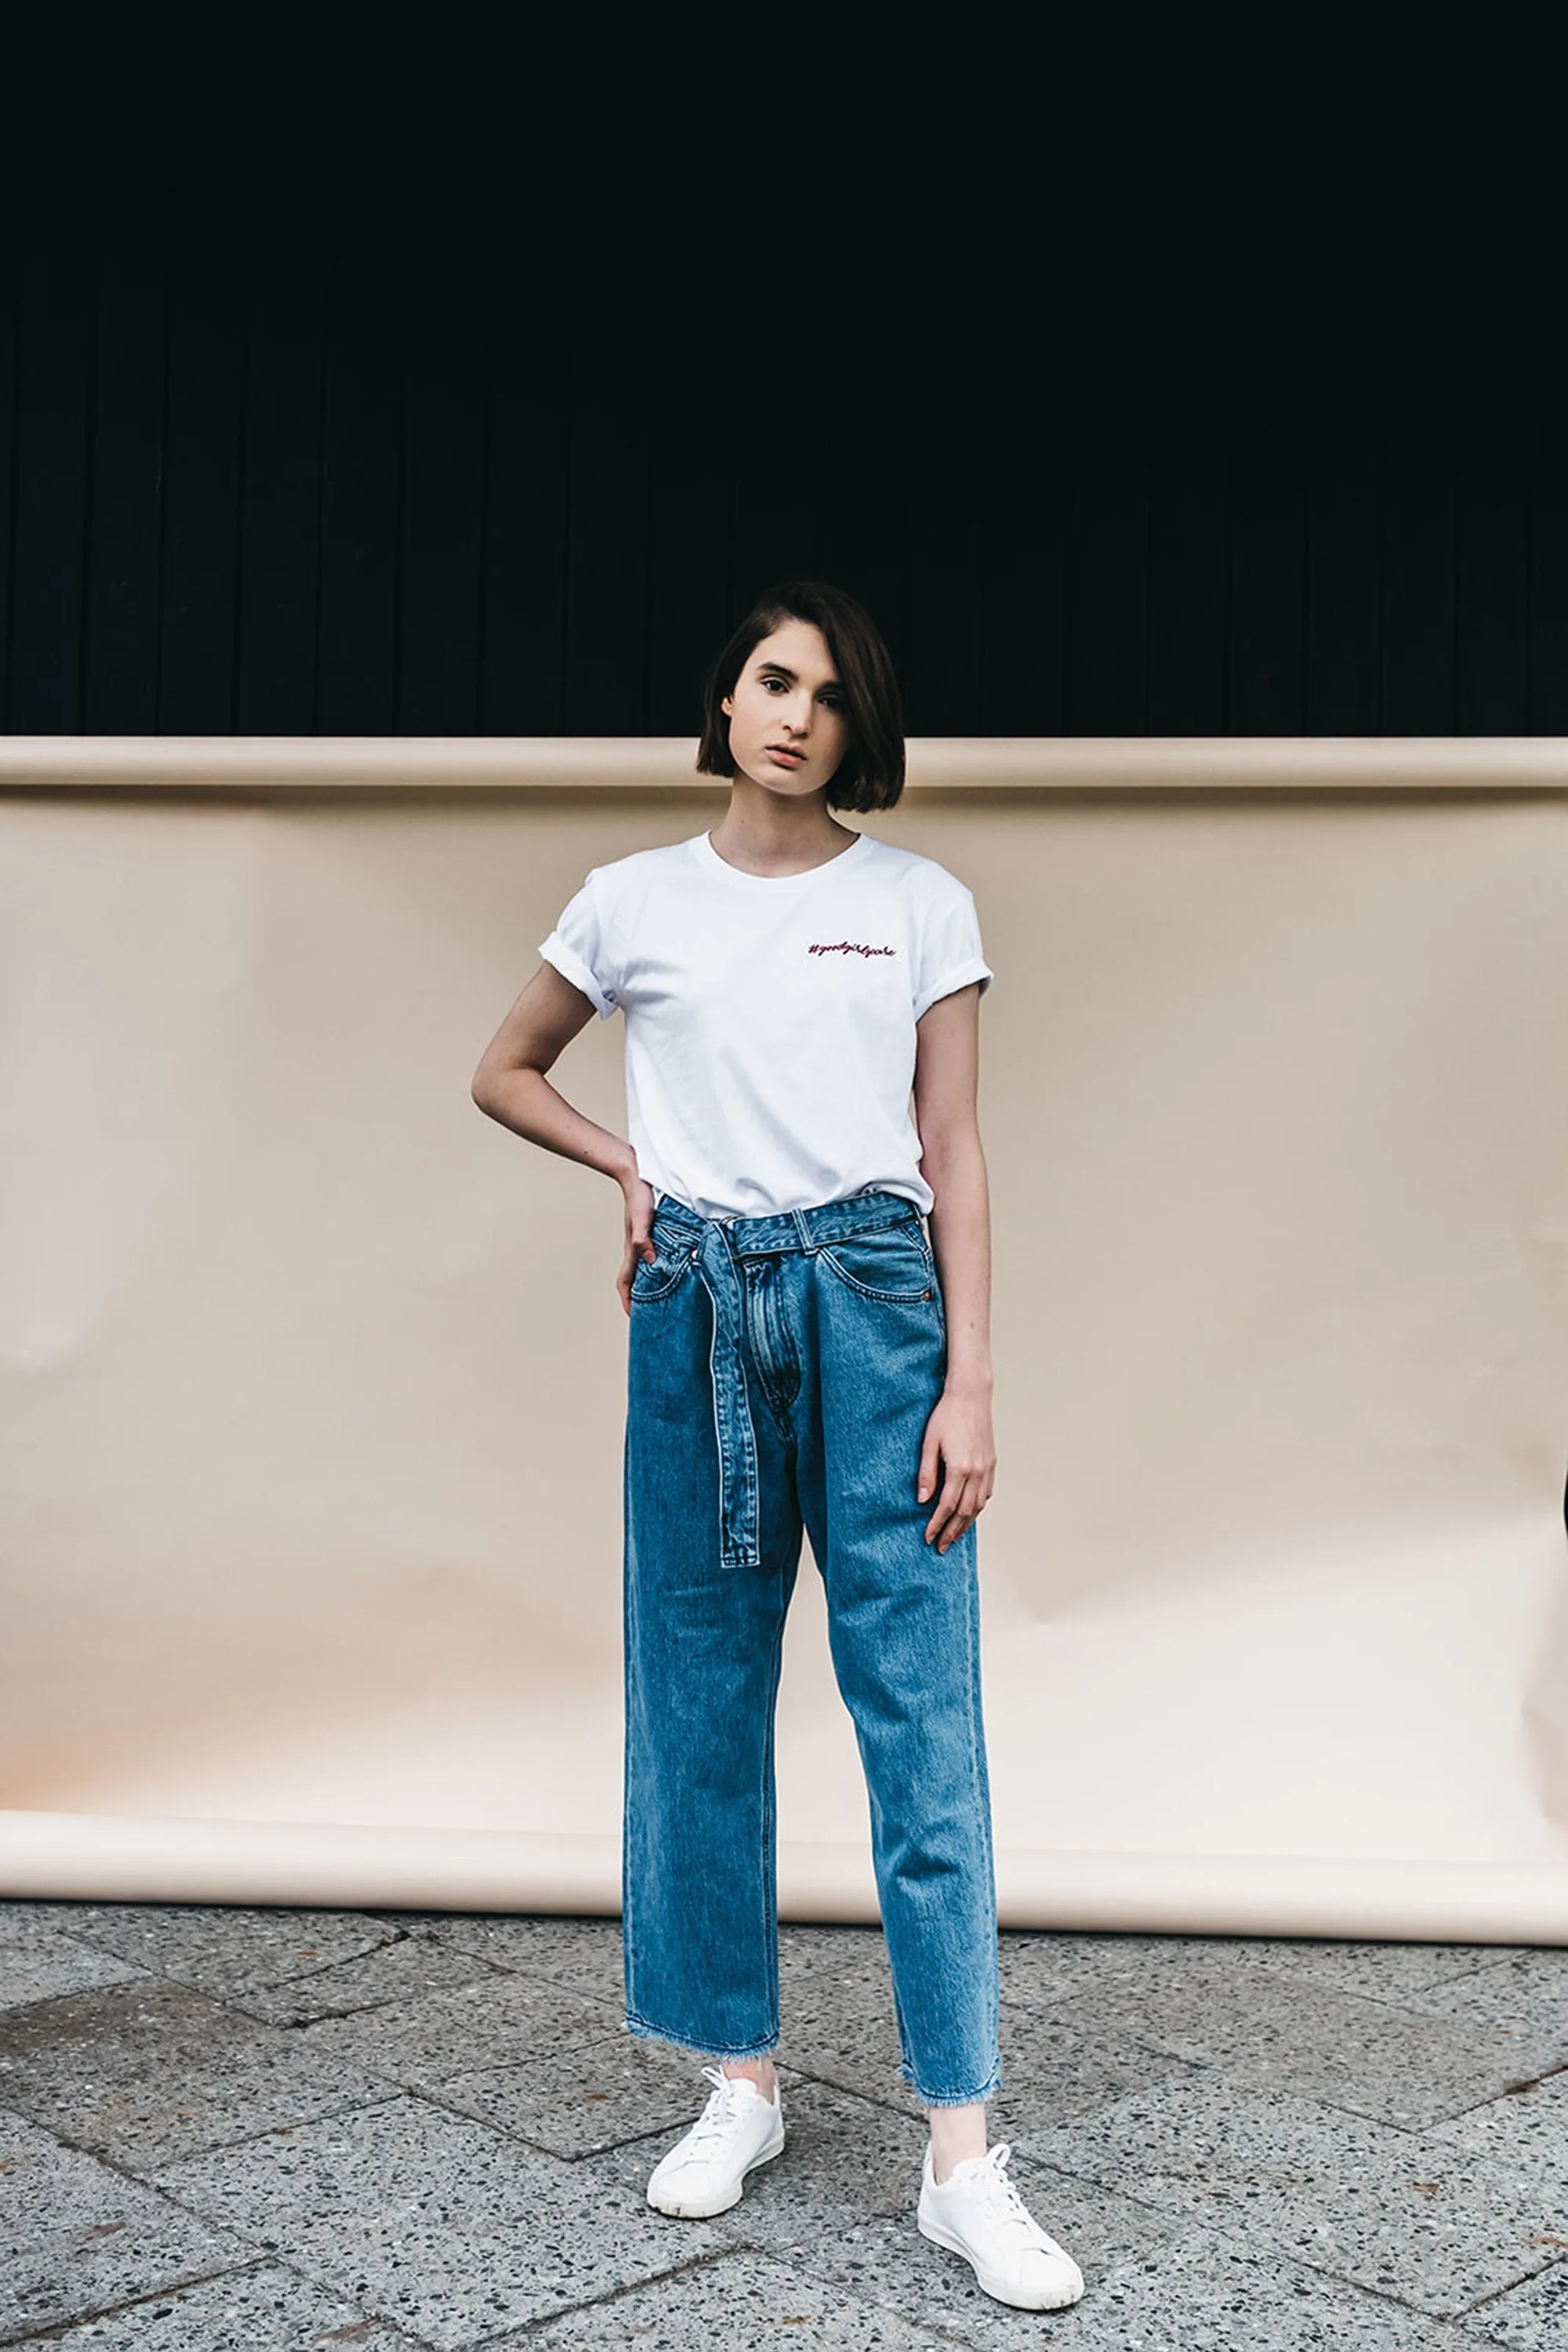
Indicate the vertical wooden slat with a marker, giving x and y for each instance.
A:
(607, 553)
(1024, 558)
(1344, 581)
(443, 487)
(865, 515)
(691, 500)
(1418, 632)
(50, 514)
(1108, 581)
(120, 692)
(356, 665)
(1267, 581)
(1493, 631)
(944, 594)
(281, 516)
(1549, 582)
(11, 227)
(202, 429)
(1189, 613)
(521, 675)
(775, 532)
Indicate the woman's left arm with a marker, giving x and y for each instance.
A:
(958, 1434)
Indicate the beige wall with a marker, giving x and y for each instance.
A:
(314, 1378)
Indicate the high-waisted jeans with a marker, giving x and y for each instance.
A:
(782, 1372)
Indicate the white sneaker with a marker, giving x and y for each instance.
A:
(738, 2129)
(978, 2213)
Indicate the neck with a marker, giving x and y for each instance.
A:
(763, 832)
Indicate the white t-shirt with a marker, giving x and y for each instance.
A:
(771, 1018)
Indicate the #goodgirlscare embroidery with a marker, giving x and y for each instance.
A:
(847, 947)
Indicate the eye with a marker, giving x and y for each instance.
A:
(833, 699)
(771, 682)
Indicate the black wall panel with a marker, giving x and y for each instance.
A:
(864, 506)
(1189, 579)
(441, 538)
(1108, 581)
(1267, 693)
(10, 307)
(49, 481)
(361, 490)
(1418, 468)
(944, 646)
(609, 466)
(204, 444)
(690, 494)
(775, 466)
(291, 468)
(124, 549)
(523, 583)
(1023, 587)
(278, 620)
(1344, 581)
(1549, 582)
(1492, 581)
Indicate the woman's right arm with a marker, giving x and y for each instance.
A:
(511, 1085)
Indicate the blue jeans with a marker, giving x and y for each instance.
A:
(781, 1370)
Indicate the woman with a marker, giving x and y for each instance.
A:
(801, 1354)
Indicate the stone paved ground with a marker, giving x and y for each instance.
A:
(258, 2131)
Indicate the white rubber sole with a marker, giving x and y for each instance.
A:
(707, 2210)
(993, 2287)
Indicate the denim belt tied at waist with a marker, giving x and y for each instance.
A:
(718, 1244)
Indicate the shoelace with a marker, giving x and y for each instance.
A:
(1000, 2197)
(720, 2110)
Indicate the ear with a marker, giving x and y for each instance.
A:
(728, 706)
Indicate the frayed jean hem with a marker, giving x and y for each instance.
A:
(954, 2098)
(643, 2032)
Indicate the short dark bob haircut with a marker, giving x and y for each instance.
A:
(871, 773)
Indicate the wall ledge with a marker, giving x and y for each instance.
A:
(70, 1856)
(269, 766)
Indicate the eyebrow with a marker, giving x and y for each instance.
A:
(779, 670)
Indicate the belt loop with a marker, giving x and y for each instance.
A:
(803, 1231)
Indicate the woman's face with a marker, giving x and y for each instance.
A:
(788, 724)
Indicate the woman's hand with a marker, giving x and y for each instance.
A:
(958, 1437)
(639, 1200)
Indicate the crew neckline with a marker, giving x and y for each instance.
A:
(710, 857)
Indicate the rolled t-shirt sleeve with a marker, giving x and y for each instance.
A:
(950, 955)
(579, 948)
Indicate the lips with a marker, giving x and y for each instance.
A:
(785, 757)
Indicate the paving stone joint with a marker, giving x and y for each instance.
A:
(226, 2129)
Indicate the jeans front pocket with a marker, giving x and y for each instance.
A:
(655, 1278)
(893, 1264)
